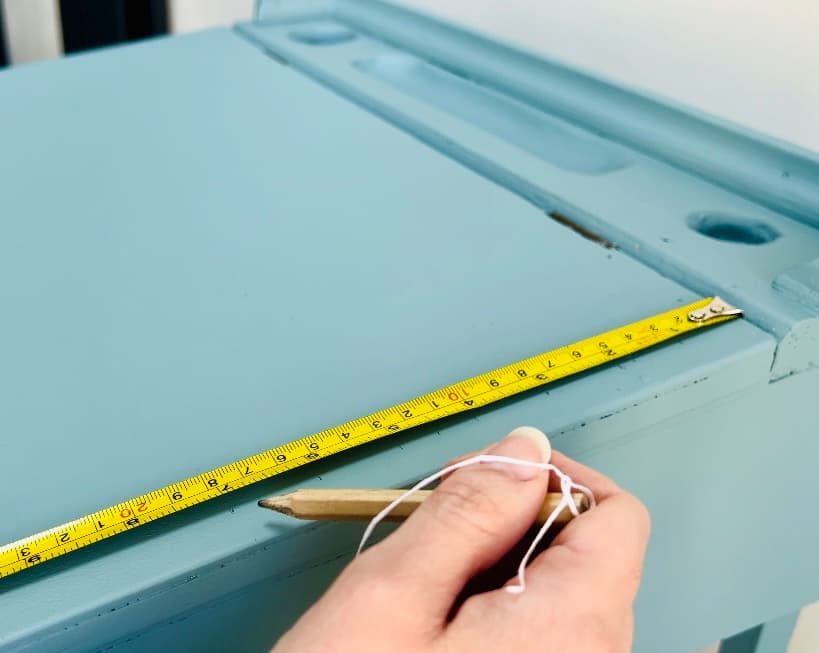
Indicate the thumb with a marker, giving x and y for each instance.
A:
(469, 522)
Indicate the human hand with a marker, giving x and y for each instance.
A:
(405, 594)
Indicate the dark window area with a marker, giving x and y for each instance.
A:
(90, 24)
(4, 59)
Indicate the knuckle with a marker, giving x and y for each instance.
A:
(639, 512)
(643, 515)
(634, 574)
(467, 508)
(362, 583)
(605, 633)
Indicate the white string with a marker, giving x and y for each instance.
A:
(566, 501)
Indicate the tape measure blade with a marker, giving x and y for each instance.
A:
(468, 394)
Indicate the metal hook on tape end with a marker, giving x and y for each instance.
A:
(717, 308)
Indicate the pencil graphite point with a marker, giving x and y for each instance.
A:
(279, 504)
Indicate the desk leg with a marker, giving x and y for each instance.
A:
(770, 637)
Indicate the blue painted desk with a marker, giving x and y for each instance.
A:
(352, 196)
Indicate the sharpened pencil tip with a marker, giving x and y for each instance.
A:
(279, 504)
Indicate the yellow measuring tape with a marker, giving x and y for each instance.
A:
(466, 395)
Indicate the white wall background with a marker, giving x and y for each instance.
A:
(32, 29)
(190, 15)
(755, 62)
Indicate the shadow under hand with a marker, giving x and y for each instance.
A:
(505, 570)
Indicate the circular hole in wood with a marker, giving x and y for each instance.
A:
(322, 34)
(733, 229)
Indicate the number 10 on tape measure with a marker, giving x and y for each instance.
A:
(468, 394)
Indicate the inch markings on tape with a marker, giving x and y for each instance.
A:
(465, 395)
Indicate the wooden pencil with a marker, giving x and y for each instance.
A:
(362, 505)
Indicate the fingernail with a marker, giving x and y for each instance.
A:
(538, 437)
(525, 443)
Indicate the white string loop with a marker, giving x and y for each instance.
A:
(567, 485)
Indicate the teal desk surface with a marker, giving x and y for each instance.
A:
(216, 243)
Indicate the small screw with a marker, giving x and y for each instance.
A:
(716, 308)
(697, 315)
